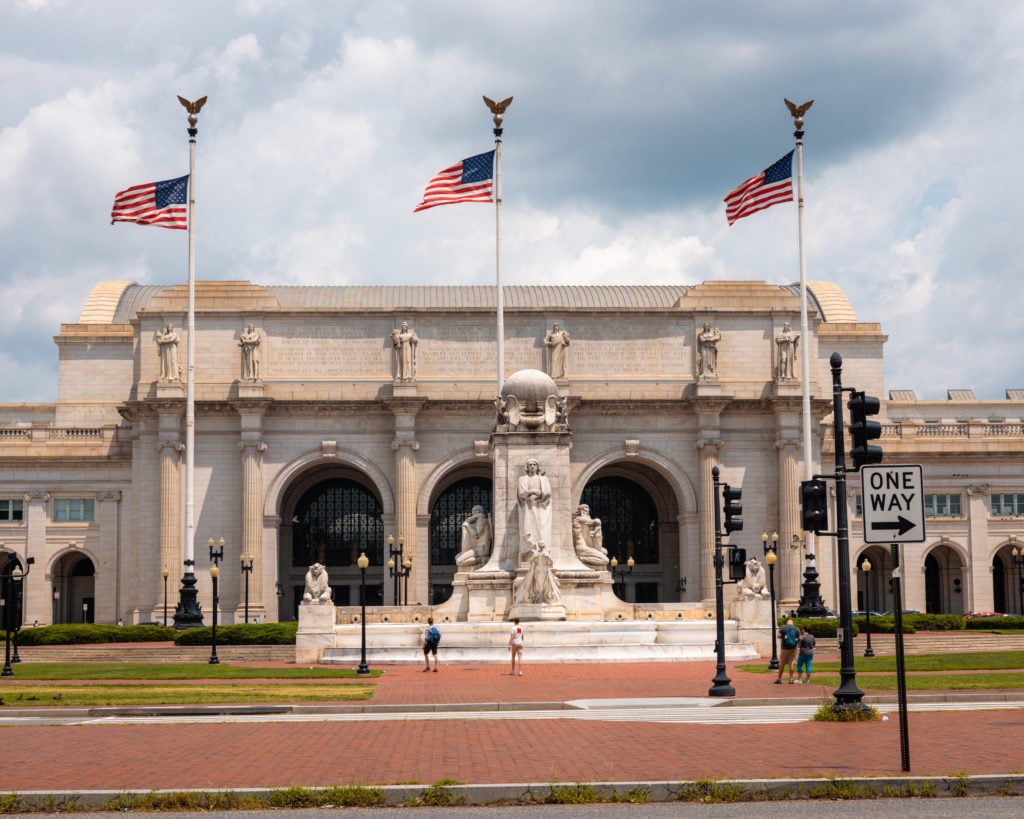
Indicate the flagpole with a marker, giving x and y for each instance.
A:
(797, 113)
(498, 109)
(188, 614)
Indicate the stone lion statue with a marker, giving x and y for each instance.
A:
(755, 585)
(318, 587)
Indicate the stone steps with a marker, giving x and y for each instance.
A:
(942, 642)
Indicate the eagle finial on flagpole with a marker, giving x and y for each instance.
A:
(798, 111)
(498, 108)
(193, 109)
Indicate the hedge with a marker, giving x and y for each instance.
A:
(274, 634)
(74, 633)
(993, 623)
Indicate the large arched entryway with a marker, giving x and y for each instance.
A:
(874, 587)
(330, 515)
(1008, 579)
(943, 581)
(73, 589)
(453, 504)
(638, 514)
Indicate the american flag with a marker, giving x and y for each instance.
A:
(163, 204)
(470, 180)
(770, 187)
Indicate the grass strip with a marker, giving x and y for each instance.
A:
(178, 671)
(20, 696)
(930, 682)
(980, 661)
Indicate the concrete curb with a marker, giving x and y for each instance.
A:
(720, 790)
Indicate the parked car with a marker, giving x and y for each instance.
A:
(980, 615)
(891, 613)
(864, 613)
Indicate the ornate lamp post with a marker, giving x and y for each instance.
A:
(214, 574)
(621, 573)
(216, 555)
(13, 590)
(406, 571)
(865, 567)
(1018, 560)
(165, 573)
(771, 557)
(363, 562)
(395, 567)
(246, 563)
(811, 604)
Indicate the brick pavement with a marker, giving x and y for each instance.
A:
(260, 754)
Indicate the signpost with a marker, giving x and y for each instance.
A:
(893, 503)
(893, 507)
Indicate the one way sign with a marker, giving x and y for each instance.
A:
(893, 503)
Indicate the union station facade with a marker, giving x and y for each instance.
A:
(332, 420)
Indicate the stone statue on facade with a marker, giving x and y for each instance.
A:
(534, 492)
(587, 538)
(786, 342)
(167, 345)
(754, 585)
(318, 587)
(405, 342)
(249, 341)
(557, 341)
(707, 341)
(476, 539)
(539, 584)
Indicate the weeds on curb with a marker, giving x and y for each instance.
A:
(578, 794)
(637, 796)
(440, 795)
(828, 712)
(709, 791)
(961, 784)
(841, 789)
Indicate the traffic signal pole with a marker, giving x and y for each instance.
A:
(721, 687)
(848, 695)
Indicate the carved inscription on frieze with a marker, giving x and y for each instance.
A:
(323, 350)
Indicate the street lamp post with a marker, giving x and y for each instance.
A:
(1018, 559)
(621, 573)
(216, 555)
(406, 571)
(246, 563)
(165, 572)
(811, 604)
(214, 575)
(865, 567)
(11, 600)
(363, 562)
(771, 557)
(395, 567)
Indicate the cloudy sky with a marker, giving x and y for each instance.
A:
(630, 123)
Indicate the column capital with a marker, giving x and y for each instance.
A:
(37, 496)
(109, 495)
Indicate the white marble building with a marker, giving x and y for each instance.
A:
(329, 419)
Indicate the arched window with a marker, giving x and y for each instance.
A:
(453, 506)
(334, 521)
(629, 519)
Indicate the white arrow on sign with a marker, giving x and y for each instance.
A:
(893, 503)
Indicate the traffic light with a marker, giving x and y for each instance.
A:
(733, 508)
(862, 430)
(813, 506)
(737, 564)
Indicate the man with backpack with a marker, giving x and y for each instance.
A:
(789, 635)
(431, 638)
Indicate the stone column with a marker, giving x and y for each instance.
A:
(708, 458)
(170, 448)
(38, 594)
(109, 606)
(708, 410)
(789, 569)
(406, 491)
(252, 448)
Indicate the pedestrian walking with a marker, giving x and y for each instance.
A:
(789, 635)
(431, 639)
(515, 646)
(805, 661)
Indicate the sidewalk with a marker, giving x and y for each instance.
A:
(256, 753)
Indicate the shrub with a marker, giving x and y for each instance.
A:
(822, 627)
(882, 625)
(274, 634)
(990, 623)
(932, 622)
(76, 633)
(829, 712)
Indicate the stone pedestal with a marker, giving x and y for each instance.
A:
(315, 632)
(755, 623)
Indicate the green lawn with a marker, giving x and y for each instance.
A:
(927, 682)
(92, 695)
(981, 661)
(176, 671)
